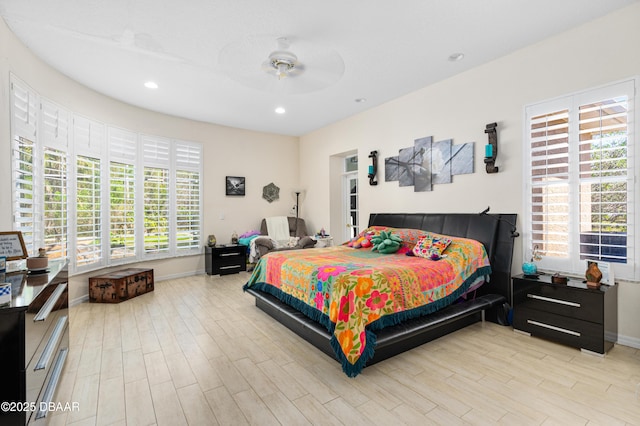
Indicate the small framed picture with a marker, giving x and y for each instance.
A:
(12, 246)
(235, 185)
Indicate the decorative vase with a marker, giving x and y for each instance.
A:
(593, 275)
(234, 238)
(529, 268)
(211, 241)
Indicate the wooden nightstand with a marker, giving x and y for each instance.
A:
(228, 259)
(570, 313)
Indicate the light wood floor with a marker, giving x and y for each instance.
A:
(197, 351)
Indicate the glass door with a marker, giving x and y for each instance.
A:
(350, 198)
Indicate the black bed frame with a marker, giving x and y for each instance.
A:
(492, 301)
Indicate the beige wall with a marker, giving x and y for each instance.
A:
(459, 108)
(227, 151)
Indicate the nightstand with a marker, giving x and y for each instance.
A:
(572, 313)
(225, 259)
(323, 241)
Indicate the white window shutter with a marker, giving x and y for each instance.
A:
(581, 181)
(89, 136)
(55, 126)
(24, 110)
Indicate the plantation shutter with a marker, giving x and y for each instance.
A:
(54, 139)
(550, 202)
(188, 157)
(55, 126)
(55, 203)
(122, 179)
(156, 195)
(89, 144)
(606, 204)
(24, 125)
(580, 181)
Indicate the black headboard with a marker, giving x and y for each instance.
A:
(494, 231)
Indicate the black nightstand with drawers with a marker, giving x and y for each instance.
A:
(223, 260)
(572, 313)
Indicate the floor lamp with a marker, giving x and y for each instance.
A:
(297, 193)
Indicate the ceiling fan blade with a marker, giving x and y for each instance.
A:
(140, 43)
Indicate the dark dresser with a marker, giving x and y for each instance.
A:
(571, 313)
(225, 259)
(34, 343)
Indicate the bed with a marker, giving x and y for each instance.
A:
(361, 307)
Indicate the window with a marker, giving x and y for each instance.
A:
(156, 195)
(24, 207)
(24, 124)
(580, 181)
(351, 195)
(122, 216)
(97, 194)
(88, 212)
(188, 210)
(55, 203)
(89, 144)
(188, 195)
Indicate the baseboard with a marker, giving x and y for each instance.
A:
(633, 342)
(85, 297)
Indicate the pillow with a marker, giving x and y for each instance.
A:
(385, 242)
(363, 240)
(409, 236)
(431, 246)
(306, 242)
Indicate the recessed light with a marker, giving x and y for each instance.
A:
(280, 110)
(360, 100)
(455, 57)
(151, 85)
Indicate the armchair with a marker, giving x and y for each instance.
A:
(297, 228)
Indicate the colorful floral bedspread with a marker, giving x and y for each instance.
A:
(354, 292)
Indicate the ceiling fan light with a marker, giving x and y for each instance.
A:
(282, 70)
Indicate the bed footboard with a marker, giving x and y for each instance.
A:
(390, 340)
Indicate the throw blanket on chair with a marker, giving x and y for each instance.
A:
(278, 228)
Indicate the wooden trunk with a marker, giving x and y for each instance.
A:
(118, 286)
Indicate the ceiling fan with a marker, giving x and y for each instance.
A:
(303, 68)
(281, 62)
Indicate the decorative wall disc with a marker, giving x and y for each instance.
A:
(271, 192)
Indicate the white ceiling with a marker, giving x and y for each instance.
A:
(388, 49)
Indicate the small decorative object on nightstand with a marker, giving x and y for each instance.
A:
(211, 241)
(593, 275)
(326, 241)
(530, 269)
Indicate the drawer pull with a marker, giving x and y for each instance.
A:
(52, 343)
(229, 254)
(230, 267)
(53, 383)
(549, 299)
(553, 327)
(46, 309)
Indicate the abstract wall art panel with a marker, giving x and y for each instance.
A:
(462, 159)
(441, 162)
(391, 169)
(427, 163)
